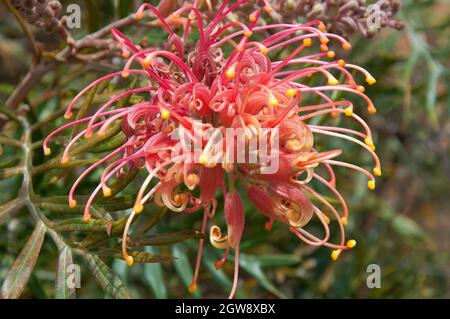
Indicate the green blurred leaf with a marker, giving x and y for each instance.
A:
(183, 267)
(153, 276)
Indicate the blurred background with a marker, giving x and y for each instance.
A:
(403, 226)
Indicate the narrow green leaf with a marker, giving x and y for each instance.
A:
(165, 239)
(106, 279)
(63, 291)
(183, 267)
(18, 276)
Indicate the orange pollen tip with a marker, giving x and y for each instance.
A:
(323, 47)
(371, 110)
(125, 74)
(264, 50)
(130, 261)
(324, 40)
(147, 61)
(252, 18)
(175, 15)
(68, 115)
(346, 46)
(344, 221)
(73, 204)
(139, 15)
(351, 243)
(307, 42)
(248, 33)
(327, 220)
(331, 54)
(267, 9)
(322, 27)
(341, 63)
(218, 264)
(86, 218)
(192, 288)
(65, 160)
(361, 88)
(371, 185)
(335, 254)
(125, 54)
(47, 151)
(334, 114)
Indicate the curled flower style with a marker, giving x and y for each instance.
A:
(208, 106)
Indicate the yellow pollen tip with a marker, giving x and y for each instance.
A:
(67, 116)
(248, 33)
(165, 114)
(371, 80)
(175, 15)
(203, 159)
(360, 88)
(335, 254)
(291, 92)
(107, 191)
(125, 74)
(344, 221)
(273, 101)
(138, 208)
(47, 151)
(231, 73)
(139, 15)
(323, 47)
(252, 18)
(377, 171)
(307, 42)
(371, 185)
(130, 261)
(264, 51)
(322, 27)
(327, 220)
(351, 243)
(341, 63)
(331, 54)
(65, 160)
(348, 111)
(346, 46)
(192, 288)
(368, 141)
(73, 204)
(324, 40)
(332, 81)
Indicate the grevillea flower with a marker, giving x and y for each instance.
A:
(196, 95)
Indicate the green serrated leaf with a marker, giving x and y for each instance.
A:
(18, 276)
(62, 290)
(106, 279)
